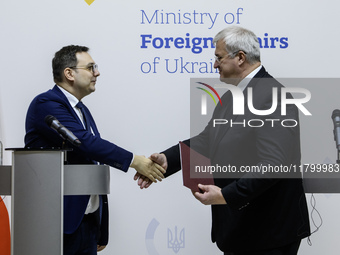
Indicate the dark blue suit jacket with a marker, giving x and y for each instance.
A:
(93, 147)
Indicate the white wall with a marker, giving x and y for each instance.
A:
(146, 113)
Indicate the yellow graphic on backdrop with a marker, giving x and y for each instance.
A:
(89, 2)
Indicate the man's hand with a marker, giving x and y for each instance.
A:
(160, 159)
(212, 195)
(143, 181)
(148, 168)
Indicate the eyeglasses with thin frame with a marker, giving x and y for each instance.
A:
(218, 59)
(91, 68)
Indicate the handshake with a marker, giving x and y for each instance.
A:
(149, 169)
(152, 169)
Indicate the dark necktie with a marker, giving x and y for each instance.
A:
(86, 118)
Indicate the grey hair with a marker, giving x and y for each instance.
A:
(238, 38)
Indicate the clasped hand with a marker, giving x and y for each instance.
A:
(211, 194)
(158, 159)
(148, 168)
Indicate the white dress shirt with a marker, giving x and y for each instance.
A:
(93, 204)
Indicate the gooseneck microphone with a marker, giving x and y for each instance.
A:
(336, 131)
(66, 134)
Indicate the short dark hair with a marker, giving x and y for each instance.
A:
(66, 57)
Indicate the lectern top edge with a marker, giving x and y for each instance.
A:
(39, 149)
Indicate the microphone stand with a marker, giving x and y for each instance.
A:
(65, 148)
(1, 153)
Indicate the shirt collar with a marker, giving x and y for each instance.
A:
(71, 98)
(244, 83)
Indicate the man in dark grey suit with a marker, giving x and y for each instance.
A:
(252, 213)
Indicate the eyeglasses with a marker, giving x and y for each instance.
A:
(91, 68)
(218, 59)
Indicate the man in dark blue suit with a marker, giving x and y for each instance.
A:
(85, 217)
(252, 213)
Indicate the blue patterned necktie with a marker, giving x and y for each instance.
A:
(86, 119)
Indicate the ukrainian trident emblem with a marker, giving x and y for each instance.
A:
(176, 242)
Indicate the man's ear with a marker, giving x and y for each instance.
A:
(241, 57)
(69, 74)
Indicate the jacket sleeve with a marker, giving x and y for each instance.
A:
(39, 134)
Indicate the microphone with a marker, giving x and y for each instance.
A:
(336, 131)
(53, 123)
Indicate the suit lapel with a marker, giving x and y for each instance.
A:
(91, 121)
(226, 112)
(57, 91)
